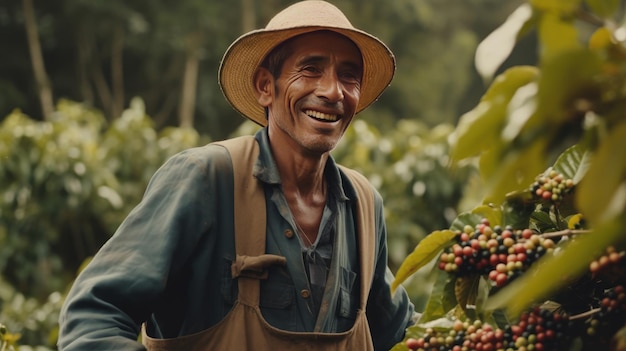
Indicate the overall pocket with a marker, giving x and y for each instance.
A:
(277, 301)
(348, 301)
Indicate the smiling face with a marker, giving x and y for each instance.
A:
(313, 100)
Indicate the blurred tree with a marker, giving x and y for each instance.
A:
(39, 67)
(103, 53)
(184, 29)
(99, 29)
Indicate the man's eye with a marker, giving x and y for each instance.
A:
(350, 77)
(311, 69)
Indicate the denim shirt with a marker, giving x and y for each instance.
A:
(168, 264)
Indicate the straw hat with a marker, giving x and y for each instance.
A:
(245, 55)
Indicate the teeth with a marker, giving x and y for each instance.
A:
(321, 115)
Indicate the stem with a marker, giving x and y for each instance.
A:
(566, 232)
(590, 18)
(584, 315)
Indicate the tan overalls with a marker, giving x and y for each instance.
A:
(244, 327)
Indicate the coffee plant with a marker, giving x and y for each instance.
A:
(489, 248)
(540, 263)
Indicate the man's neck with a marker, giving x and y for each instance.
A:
(301, 170)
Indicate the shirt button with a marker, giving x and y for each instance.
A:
(289, 233)
(305, 293)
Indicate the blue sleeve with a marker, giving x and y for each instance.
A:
(388, 315)
(120, 287)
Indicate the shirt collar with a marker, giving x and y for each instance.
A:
(266, 170)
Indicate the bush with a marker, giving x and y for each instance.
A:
(66, 186)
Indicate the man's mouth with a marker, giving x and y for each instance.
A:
(321, 116)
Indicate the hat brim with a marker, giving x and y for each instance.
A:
(243, 57)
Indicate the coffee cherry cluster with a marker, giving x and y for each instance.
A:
(551, 186)
(539, 330)
(611, 315)
(502, 254)
(610, 262)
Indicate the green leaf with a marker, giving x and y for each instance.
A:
(603, 8)
(557, 34)
(553, 272)
(543, 222)
(480, 128)
(497, 46)
(442, 298)
(564, 7)
(565, 79)
(572, 163)
(474, 127)
(466, 292)
(599, 195)
(482, 295)
(517, 208)
(521, 108)
(427, 249)
(465, 219)
(500, 319)
(489, 212)
(441, 325)
(515, 171)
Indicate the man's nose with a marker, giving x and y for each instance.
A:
(330, 88)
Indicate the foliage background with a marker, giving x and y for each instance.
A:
(135, 82)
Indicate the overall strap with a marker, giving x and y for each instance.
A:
(250, 220)
(366, 217)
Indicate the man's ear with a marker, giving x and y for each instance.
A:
(264, 86)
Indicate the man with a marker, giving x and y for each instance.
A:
(175, 265)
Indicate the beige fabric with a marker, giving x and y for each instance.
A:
(244, 327)
(255, 266)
